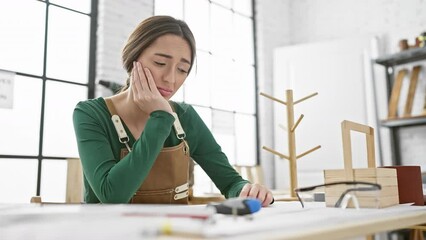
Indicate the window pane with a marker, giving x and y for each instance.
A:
(245, 130)
(197, 16)
(243, 85)
(68, 48)
(22, 36)
(166, 7)
(197, 86)
(20, 128)
(243, 6)
(79, 5)
(53, 180)
(223, 86)
(202, 182)
(221, 25)
(59, 137)
(227, 143)
(225, 3)
(243, 36)
(223, 128)
(205, 115)
(24, 184)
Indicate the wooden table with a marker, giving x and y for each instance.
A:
(284, 220)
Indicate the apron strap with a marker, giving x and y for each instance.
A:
(123, 137)
(110, 106)
(180, 133)
(122, 134)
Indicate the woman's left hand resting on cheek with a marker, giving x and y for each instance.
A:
(257, 191)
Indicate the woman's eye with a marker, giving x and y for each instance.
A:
(182, 70)
(159, 63)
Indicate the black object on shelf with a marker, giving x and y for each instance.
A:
(113, 86)
(406, 56)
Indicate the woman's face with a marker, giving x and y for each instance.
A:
(169, 60)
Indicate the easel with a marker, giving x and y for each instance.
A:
(291, 128)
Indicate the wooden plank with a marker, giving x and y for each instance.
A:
(411, 91)
(74, 190)
(291, 142)
(386, 191)
(334, 173)
(357, 127)
(347, 150)
(387, 181)
(396, 91)
(374, 172)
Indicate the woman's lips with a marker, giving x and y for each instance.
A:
(165, 92)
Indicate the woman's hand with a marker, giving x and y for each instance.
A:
(257, 191)
(145, 92)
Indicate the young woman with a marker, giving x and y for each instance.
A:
(136, 145)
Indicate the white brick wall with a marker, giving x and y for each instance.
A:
(116, 20)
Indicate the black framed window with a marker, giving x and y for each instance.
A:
(222, 86)
(47, 60)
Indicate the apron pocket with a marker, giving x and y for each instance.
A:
(166, 196)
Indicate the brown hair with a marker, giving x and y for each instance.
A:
(147, 32)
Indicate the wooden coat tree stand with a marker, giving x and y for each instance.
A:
(291, 128)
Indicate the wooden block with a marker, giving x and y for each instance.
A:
(336, 179)
(385, 197)
(386, 176)
(411, 91)
(396, 91)
(35, 199)
(381, 202)
(386, 191)
(74, 188)
(333, 173)
(374, 172)
(382, 181)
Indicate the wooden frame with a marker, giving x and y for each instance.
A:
(386, 177)
(347, 126)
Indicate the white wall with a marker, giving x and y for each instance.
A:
(291, 22)
(337, 74)
(273, 30)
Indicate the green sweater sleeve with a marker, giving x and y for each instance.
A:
(209, 155)
(113, 180)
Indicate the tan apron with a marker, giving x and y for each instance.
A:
(168, 180)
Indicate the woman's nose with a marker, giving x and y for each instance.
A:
(169, 76)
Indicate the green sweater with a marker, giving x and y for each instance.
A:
(108, 179)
